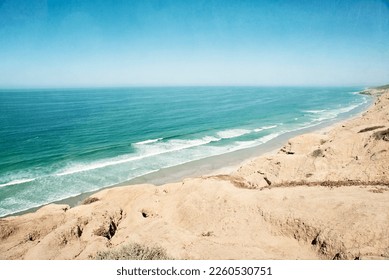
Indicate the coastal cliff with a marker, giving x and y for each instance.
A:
(323, 195)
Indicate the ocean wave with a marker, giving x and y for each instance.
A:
(329, 114)
(269, 137)
(333, 113)
(13, 205)
(240, 145)
(148, 141)
(155, 147)
(314, 111)
(233, 133)
(16, 182)
(144, 151)
(264, 128)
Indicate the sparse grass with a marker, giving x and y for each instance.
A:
(371, 128)
(317, 153)
(330, 184)
(378, 190)
(134, 251)
(382, 135)
(90, 200)
(6, 231)
(238, 182)
(32, 236)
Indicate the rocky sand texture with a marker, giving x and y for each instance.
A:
(324, 195)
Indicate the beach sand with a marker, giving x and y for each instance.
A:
(323, 195)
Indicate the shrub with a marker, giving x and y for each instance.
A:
(371, 128)
(90, 200)
(134, 251)
(317, 153)
(382, 135)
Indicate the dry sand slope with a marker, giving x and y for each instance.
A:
(322, 196)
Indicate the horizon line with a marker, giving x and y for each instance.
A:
(69, 87)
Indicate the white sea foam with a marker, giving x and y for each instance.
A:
(16, 182)
(154, 147)
(232, 133)
(12, 205)
(269, 137)
(148, 141)
(313, 111)
(264, 128)
(356, 92)
(240, 145)
(333, 113)
(144, 151)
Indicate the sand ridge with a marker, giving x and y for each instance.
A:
(322, 196)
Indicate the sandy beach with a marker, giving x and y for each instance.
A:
(323, 195)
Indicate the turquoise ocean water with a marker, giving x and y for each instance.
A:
(56, 144)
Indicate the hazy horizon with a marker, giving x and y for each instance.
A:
(102, 87)
(74, 44)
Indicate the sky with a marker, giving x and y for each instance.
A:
(69, 43)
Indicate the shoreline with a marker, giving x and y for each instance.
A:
(323, 195)
(218, 164)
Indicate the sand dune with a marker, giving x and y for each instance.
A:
(324, 195)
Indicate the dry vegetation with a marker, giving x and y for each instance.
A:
(332, 184)
(90, 200)
(371, 128)
(134, 251)
(382, 135)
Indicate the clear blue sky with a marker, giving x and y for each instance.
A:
(68, 43)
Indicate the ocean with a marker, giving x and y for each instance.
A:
(59, 143)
